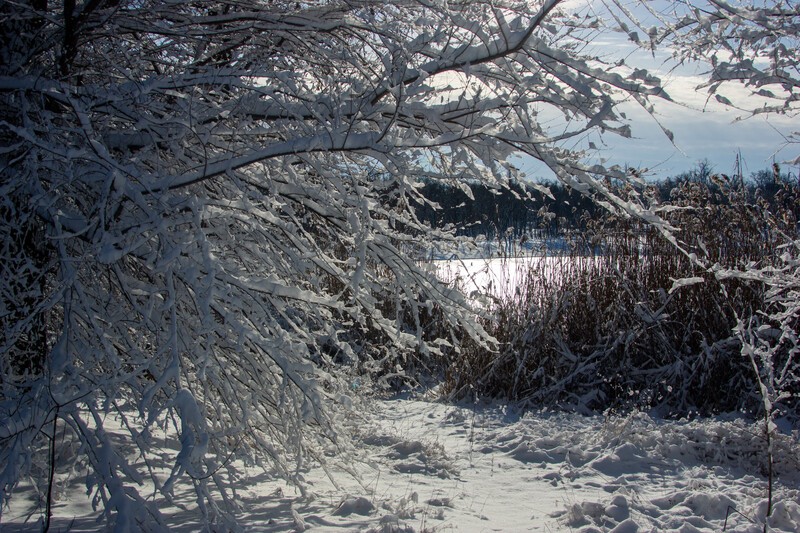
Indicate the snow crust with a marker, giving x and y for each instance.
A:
(418, 465)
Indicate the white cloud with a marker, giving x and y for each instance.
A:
(703, 127)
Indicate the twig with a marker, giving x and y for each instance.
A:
(51, 475)
(735, 510)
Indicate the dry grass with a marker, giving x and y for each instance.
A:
(607, 331)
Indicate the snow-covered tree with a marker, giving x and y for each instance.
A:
(208, 213)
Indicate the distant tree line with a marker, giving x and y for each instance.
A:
(523, 208)
(769, 185)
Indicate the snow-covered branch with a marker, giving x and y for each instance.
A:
(208, 209)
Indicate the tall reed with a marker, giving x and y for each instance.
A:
(621, 329)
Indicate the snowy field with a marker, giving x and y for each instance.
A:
(424, 466)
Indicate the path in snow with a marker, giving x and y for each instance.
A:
(433, 467)
(443, 468)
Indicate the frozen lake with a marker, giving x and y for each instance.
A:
(502, 276)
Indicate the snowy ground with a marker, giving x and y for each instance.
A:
(433, 467)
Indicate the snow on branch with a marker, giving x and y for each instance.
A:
(209, 211)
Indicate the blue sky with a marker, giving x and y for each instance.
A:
(703, 128)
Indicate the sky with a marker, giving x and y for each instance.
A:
(703, 128)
